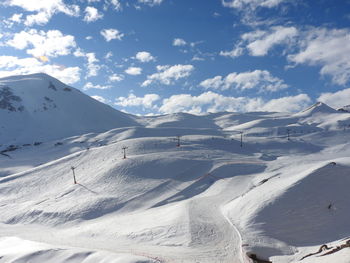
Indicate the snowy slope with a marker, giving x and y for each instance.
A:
(207, 200)
(39, 107)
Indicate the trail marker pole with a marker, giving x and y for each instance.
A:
(178, 141)
(241, 139)
(75, 181)
(288, 134)
(124, 152)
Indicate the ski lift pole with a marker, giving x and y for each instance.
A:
(241, 139)
(124, 152)
(75, 181)
(178, 140)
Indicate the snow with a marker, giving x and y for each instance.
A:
(45, 109)
(207, 200)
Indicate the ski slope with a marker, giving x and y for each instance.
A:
(280, 196)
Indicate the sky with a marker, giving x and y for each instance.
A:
(150, 57)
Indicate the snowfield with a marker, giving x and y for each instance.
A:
(279, 196)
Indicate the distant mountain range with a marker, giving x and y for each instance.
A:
(38, 107)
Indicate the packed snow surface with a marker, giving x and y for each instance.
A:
(189, 190)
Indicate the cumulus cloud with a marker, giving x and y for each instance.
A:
(323, 47)
(116, 78)
(100, 99)
(328, 48)
(44, 10)
(252, 4)
(116, 5)
(147, 101)
(259, 42)
(144, 56)
(150, 2)
(167, 75)
(92, 66)
(40, 43)
(17, 18)
(133, 71)
(89, 85)
(214, 102)
(92, 14)
(257, 79)
(179, 42)
(110, 34)
(250, 8)
(337, 99)
(10, 65)
(91, 62)
(237, 51)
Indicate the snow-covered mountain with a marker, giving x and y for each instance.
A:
(39, 107)
(281, 194)
(344, 108)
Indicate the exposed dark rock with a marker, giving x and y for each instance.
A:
(51, 86)
(7, 99)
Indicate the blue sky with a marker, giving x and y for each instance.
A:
(197, 56)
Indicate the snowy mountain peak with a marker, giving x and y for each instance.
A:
(40, 107)
(318, 107)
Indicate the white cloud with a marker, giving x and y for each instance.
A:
(116, 4)
(147, 101)
(179, 42)
(337, 99)
(91, 62)
(168, 74)
(109, 55)
(328, 48)
(89, 85)
(214, 102)
(251, 4)
(92, 14)
(235, 52)
(88, 37)
(100, 99)
(150, 2)
(116, 78)
(10, 65)
(16, 18)
(249, 9)
(144, 56)
(44, 10)
(91, 65)
(257, 79)
(260, 42)
(110, 34)
(133, 71)
(51, 43)
(213, 83)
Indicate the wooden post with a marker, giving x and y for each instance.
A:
(75, 181)
(124, 151)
